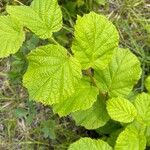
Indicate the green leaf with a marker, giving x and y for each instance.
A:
(52, 75)
(130, 139)
(94, 117)
(95, 39)
(89, 144)
(48, 129)
(80, 2)
(111, 139)
(109, 127)
(121, 74)
(142, 104)
(101, 2)
(147, 27)
(82, 99)
(11, 36)
(147, 134)
(20, 112)
(43, 17)
(121, 109)
(147, 83)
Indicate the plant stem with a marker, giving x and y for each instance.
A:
(89, 73)
(53, 40)
(18, 2)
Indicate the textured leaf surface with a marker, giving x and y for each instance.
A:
(120, 75)
(95, 40)
(94, 117)
(147, 84)
(147, 134)
(11, 36)
(130, 139)
(121, 109)
(43, 17)
(89, 144)
(52, 75)
(142, 104)
(82, 99)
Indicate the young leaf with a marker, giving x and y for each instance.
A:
(43, 17)
(89, 144)
(52, 75)
(94, 117)
(142, 104)
(82, 99)
(130, 139)
(11, 36)
(121, 74)
(121, 110)
(95, 39)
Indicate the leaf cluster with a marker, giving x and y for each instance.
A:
(93, 82)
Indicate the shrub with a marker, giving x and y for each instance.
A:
(93, 81)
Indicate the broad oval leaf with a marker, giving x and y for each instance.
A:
(94, 42)
(142, 104)
(121, 74)
(89, 144)
(121, 109)
(130, 139)
(82, 99)
(11, 36)
(52, 75)
(94, 117)
(43, 17)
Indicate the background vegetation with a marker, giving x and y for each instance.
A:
(27, 125)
